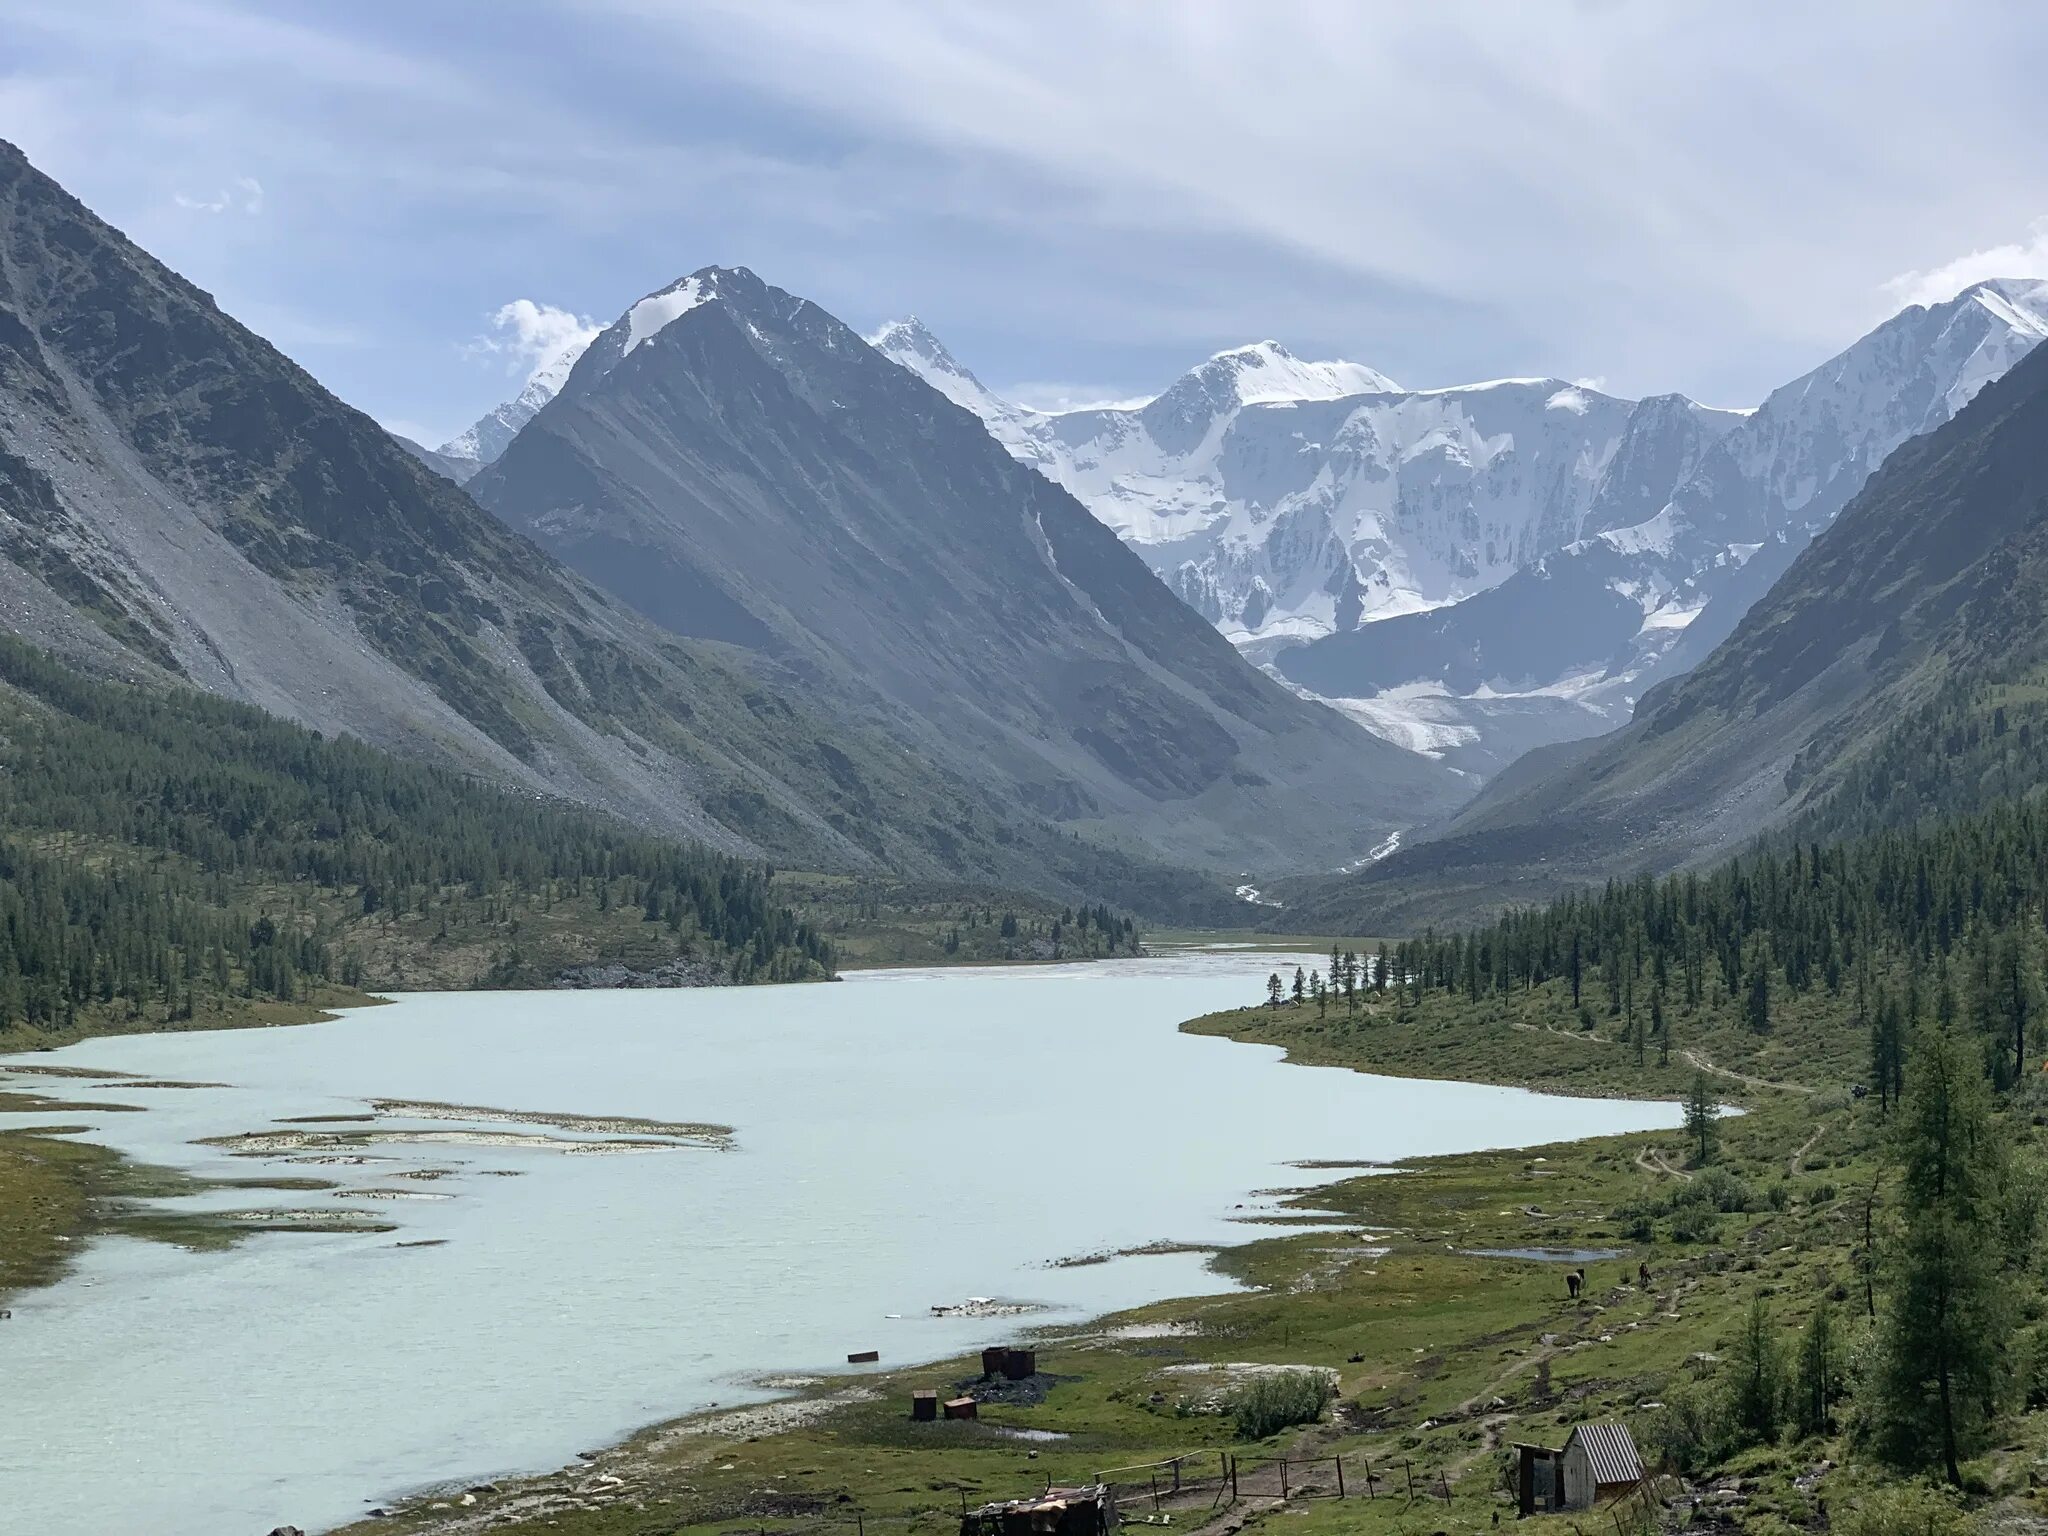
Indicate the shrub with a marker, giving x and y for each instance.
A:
(1724, 1190)
(1694, 1223)
(1635, 1219)
(1690, 1432)
(1904, 1509)
(1276, 1400)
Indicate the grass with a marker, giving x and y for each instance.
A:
(56, 1192)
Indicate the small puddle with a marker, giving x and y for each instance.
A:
(1545, 1255)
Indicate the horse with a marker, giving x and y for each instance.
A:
(1574, 1282)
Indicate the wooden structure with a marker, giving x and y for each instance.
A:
(864, 1357)
(924, 1405)
(1086, 1511)
(1539, 1480)
(962, 1408)
(992, 1361)
(1600, 1462)
(1020, 1363)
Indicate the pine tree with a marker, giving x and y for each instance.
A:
(1274, 991)
(1756, 1010)
(1819, 1374)
(1756, 1376)
(1300, 987)
(1942, 1329)
(1701, 1116)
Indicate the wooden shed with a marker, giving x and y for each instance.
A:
(1599, 1462)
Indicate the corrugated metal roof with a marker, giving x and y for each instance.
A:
(1611, 1450)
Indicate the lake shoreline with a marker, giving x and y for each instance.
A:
(1227, 1266)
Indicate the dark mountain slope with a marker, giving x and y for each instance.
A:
(740, 466)
(1899, 646)
(180, 501)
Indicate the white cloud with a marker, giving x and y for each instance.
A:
(2020, 258)
(1056, 397)
(535, 336)
(245, 196)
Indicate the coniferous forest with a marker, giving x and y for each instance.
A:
(167, 851)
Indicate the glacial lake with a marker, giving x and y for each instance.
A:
(901, 1140)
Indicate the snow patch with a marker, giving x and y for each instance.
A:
(651, 315)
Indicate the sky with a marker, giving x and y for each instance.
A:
(1082, 199)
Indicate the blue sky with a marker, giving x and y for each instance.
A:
(1083, 200)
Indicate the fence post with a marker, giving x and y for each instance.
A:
(1176, 1474)
(1444, 1483)
(1408, 1469)
(1370, 1493)
(1231, 1457)
(1155, 1490)
(1340, 1475)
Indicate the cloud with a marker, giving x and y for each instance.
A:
(535, 336)
(2020, 258)
(245, 196)
(1056, 398)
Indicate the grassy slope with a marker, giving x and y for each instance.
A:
(1451, 1346)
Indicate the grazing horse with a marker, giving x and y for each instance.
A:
(1574, 1281)
(1643, 1276)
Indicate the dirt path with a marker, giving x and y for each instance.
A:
(1742, 1077)
(1580, 1035)
(1797, 1162)
(1656, 1160)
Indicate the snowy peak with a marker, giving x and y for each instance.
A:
(1262, 374)
(2021, 303)
(909, 343)
(910, 337)
(1265, 373)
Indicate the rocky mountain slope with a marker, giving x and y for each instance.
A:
(743, 468)
(181, 503)
(1894, 671)
(1475, 571)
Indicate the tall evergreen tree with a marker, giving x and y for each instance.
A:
(1941, 1370)
(1702, 1117)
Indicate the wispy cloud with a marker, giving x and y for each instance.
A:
(245, 196)
(2027, 257)
(1671, 196)
(1055, 397)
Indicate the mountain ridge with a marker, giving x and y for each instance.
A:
(1396, 556)
(1921, 597)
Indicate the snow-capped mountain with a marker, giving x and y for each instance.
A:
(733, 462)
(491, 433)
(1477, 570)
